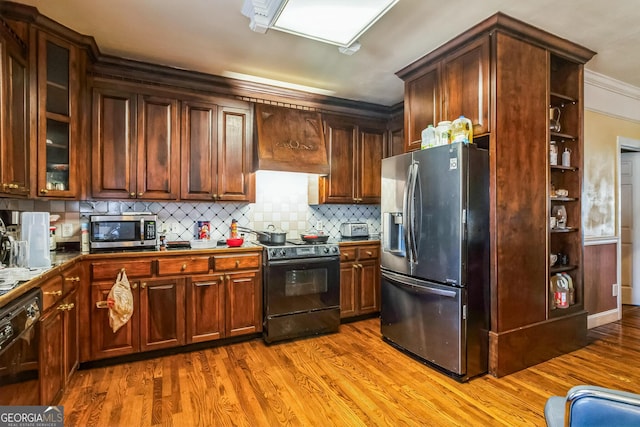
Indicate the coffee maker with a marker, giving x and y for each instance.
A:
(9, 230)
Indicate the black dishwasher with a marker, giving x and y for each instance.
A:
(19, 350)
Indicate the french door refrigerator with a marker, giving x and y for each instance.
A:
(435, 257)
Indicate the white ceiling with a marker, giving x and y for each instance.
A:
(212, 36)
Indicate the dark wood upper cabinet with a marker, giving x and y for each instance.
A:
(158, 154)
(216, 151)
(370, 146)
(355, 149)
(136, 144)
(14, 120)
(199, 150)
(465, 76)
(422, 105)
(113, 143)
(455, 84)
(58, 113)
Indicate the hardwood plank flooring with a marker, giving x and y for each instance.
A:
(351, 378)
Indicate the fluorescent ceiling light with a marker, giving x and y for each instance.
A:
(337, 22)
(279, 83)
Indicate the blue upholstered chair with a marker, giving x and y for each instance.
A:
(587, 405)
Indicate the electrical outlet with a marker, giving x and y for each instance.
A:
(67, 229)
(614, 290)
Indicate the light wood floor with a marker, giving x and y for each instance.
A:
(351, 378)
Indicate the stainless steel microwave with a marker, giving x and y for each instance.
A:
(122, 232)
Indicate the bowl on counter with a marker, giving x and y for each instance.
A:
(235, 242)
(203, 244)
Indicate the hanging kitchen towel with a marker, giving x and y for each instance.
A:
(120, 302)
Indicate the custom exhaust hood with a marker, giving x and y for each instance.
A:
(289, 140)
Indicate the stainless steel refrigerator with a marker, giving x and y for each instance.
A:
(435, 257)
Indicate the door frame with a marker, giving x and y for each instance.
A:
(630, 145)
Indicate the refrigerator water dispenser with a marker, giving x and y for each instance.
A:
(393, 239)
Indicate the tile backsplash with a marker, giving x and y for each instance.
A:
(281, 200)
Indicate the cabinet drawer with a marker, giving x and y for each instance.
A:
(347, 254)
(235, 262)
(51, 291)
(109, 270)
(183, 265)
(368, 252)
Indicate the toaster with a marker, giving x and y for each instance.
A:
(354, 229)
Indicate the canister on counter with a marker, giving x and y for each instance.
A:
(233, 234)
(443, 132)
(204, 230)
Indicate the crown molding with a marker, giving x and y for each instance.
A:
(606, 95)
(611, 84)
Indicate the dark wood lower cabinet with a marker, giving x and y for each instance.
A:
(202, 298)
(162, 304)
(104, 342)
(359, 280)
(157, 320)
(205, 308)
(52, 377)
(58, 348)
(224, 305)
(243, 306)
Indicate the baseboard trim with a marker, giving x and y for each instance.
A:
(602, 318)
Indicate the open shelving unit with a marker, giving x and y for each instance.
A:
(565, 96)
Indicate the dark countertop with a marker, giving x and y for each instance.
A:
(373, 238)
(62, 260)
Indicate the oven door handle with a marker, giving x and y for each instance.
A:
(298, 261)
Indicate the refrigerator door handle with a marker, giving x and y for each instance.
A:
(413, 214)
(418, 288)
(411, 217)
(405, 213)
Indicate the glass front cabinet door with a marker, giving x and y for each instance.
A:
(58, 93)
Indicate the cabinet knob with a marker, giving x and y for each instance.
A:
(140, 194)
(214, 196)
(132, 194)
(227, 278)
(184, 267)
(346, 256)
(62, 307)
(237, 263)
(134, 286)
(143, 285)
(70, 306)
(43, 191)
(369, 253)
(72, 279)
(54, 293)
